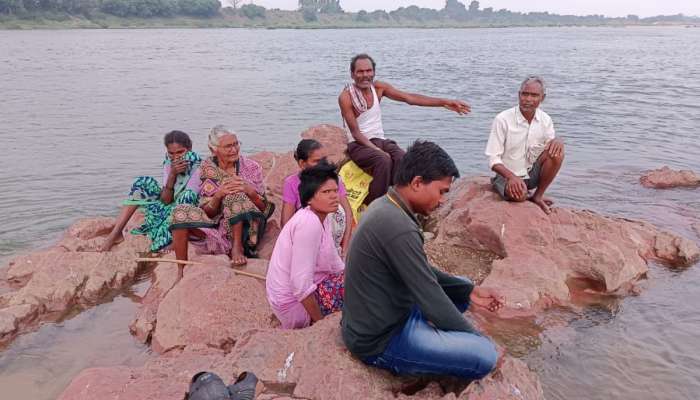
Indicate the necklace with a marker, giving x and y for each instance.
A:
(391, 199)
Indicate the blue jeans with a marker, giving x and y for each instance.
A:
(421, 349)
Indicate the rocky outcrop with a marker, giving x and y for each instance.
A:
(48, 284)
(536, 257)
(211, 305)
(302, 364)
(666, 178)
(216, 320)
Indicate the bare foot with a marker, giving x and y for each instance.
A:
(111, 240)
(542, 203)
(237, 258)
(180, 272)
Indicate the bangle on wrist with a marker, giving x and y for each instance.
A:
(170, 188)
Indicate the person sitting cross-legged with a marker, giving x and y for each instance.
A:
(400, 313)
(522, 149)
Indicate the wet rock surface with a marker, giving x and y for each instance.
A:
(48, 284)
(667, 178)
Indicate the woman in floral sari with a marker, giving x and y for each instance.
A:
(233, 209)
(181, 184)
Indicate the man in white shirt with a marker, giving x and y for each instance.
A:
(522, 149)
(359, 105)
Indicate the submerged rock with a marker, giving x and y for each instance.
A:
(666, 178)
(48, 284)
(536, 256)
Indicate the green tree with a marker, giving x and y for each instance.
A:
(379, 14)
(309, 15)
(455, 10)
(363, 16)
(252, 11)
(199, 8)
(11, 6)
(140, 8)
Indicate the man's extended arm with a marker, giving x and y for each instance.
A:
(345, 103)
(409, 262)
(415, 99)
(458, 289)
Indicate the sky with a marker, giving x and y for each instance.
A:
(610, 8)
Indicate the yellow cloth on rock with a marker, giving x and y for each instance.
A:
(356, 183)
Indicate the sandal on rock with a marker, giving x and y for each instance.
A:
(207, 386)
(244, 387)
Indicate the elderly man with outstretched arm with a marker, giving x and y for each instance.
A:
(360, 107)
(522, 148)
(400, 312)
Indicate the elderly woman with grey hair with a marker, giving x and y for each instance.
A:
(233, 208)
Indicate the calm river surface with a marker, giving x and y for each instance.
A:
(83, 113)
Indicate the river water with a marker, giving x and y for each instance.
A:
(84, 111)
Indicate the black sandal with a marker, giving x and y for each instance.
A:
(244, 387)
(207, 386)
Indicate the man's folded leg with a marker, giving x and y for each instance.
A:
(421, 349)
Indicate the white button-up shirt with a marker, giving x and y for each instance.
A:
(516, 143)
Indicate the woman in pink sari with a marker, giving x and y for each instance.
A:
(305, 275)
(233, 208)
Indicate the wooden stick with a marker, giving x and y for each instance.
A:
(167, 260)
(250, 274)
(183, 262)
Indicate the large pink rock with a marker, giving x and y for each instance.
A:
(302, 364)
(48, 283)
(163, 278)
(536, 258)
(211, 305)
(333, 138)
(666, 178)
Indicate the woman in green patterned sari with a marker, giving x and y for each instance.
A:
(181, 185)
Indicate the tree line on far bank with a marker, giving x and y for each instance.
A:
(454, 12)
(119, 8)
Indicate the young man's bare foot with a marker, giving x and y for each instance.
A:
(542, 203)
(111, 240)
(237, 258)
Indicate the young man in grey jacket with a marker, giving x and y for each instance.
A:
(400, 312)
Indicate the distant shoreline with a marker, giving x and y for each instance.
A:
(63, 21)
(193, 23)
